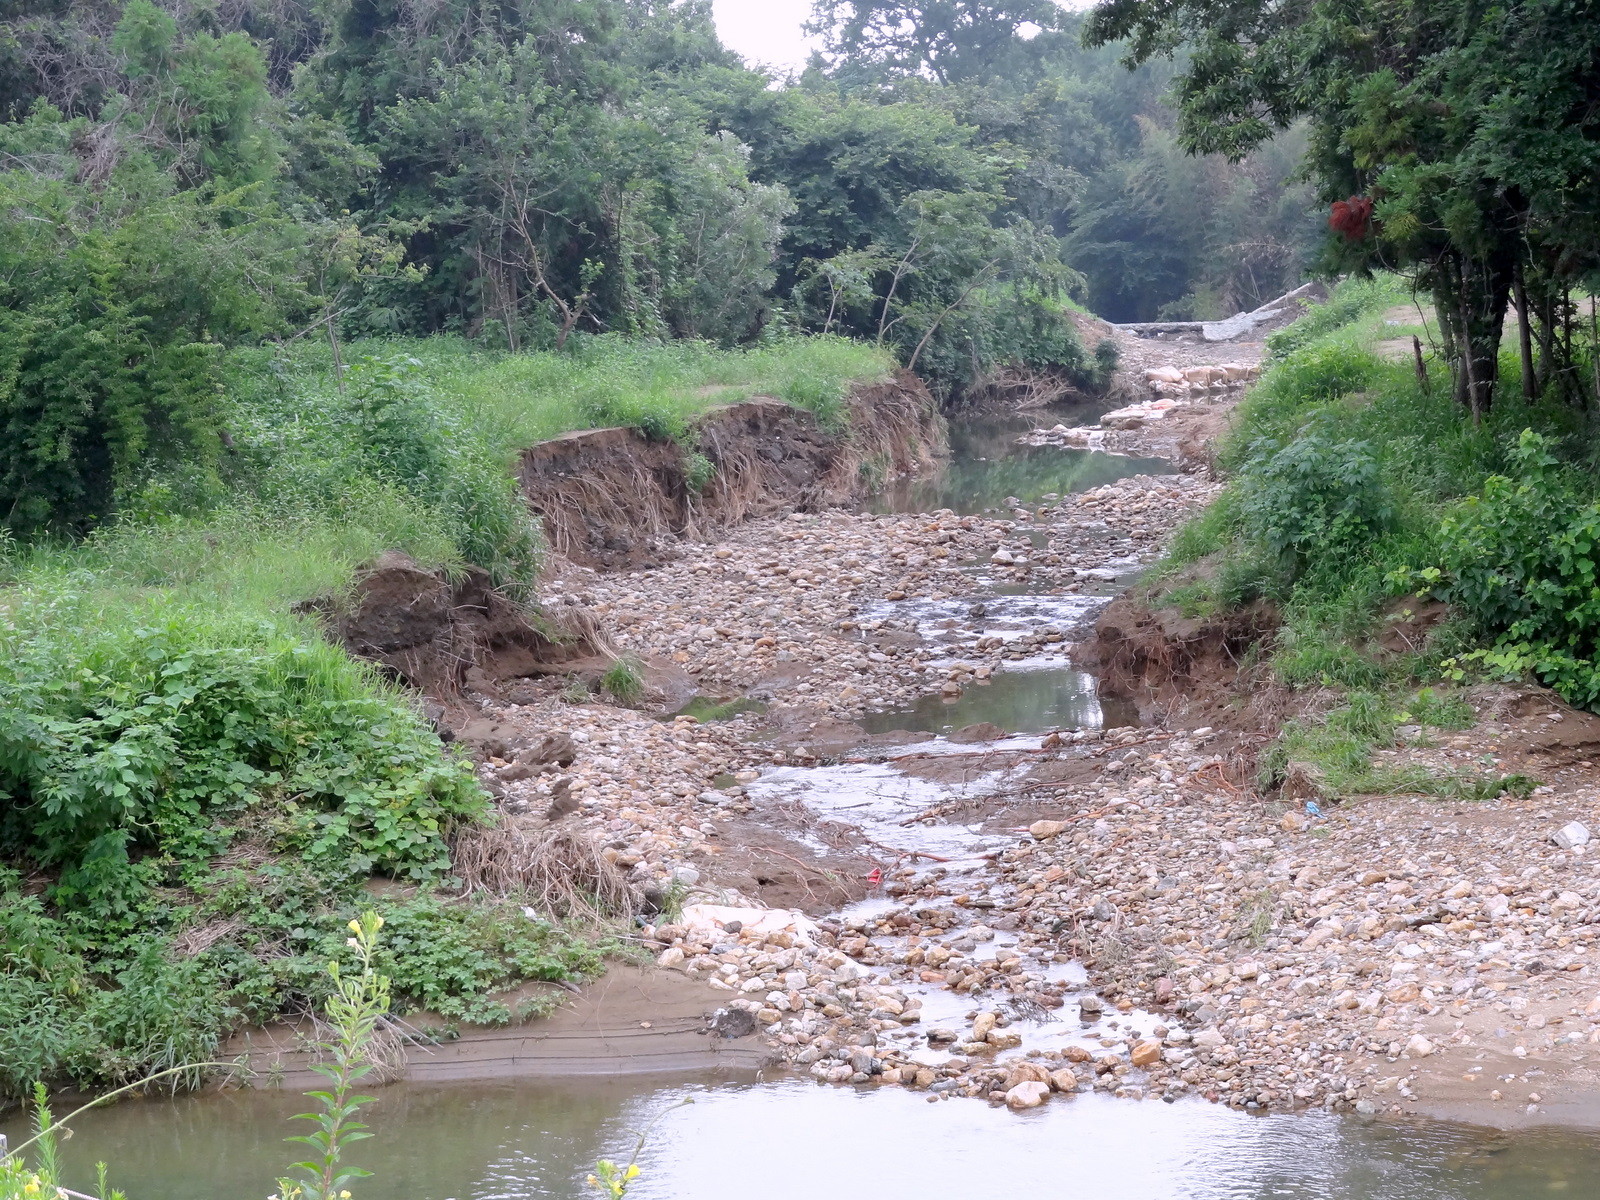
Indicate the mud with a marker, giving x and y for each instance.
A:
(615, 499)
(446, 636)
(1183, 672)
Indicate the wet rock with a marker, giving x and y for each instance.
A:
(981, 732)
(732, 1023)
(1027, 1095)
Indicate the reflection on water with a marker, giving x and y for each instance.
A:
(986, 466)
(794, 1140)
(1016, 701)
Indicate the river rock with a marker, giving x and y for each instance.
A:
(1571, 835)
(1144, 1053)
(1047, 829)
(1027, 1095)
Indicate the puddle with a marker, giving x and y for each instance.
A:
(1023, 701)
(792, 1140)
(987, 466)
(708, 708)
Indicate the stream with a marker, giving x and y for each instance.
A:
(784, 1136)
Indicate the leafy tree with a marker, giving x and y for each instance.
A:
(950, 40)
(1458, 141)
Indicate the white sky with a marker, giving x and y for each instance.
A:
(765, 31)
(768, 31)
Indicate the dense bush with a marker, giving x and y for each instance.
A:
(1522, 559)
(124, 733)
(1315, 496)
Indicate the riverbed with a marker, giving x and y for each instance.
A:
(786, 1135)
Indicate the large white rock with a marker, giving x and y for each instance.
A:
(1571, 835)
(1028, 1095)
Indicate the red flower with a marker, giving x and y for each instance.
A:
(1352, 217)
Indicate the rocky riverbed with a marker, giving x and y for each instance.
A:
(1016, 917)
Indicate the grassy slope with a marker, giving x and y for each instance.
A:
(213, 763)
(1343, 470)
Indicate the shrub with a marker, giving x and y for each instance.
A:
(146, 727)
(1314, 496)
(1523, 560)
(449, 958)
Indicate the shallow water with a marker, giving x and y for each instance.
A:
(1019, 701)
(791, 1140)
(986, 467)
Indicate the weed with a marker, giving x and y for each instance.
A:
(358, 1003)
(699, 471)
(624, 680)
(1256, 917)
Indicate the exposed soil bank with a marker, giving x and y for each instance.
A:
(614, 498)
(444, 636)
(1179, 671)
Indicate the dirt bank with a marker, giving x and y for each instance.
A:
(614, 498)
(448, 633)
(632, 1021)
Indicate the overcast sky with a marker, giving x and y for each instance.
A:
(765, 31)
(768, 31)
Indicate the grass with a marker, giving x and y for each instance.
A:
(623, 680)
(516, 400)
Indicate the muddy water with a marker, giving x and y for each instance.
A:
(987, 467)
(793, 1140)
(788, 1138)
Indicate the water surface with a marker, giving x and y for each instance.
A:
(986, 466)
(794, 1140)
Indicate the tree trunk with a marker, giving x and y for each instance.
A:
(1530, 387)
(1473, 295)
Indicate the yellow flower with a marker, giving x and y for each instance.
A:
(344, 1195)
(633, 1171)
(355, 926)
(377, 921)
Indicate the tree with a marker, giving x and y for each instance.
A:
(949, 40)
(1460, 138)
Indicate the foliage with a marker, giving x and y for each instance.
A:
(19, 1181)
(1450, 140)
(450, 958)
(1520, 559)
(1315, 496)
(359, 1002)
(124, 731)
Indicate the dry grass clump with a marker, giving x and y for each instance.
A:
(557, 869)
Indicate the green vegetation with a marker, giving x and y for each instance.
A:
(355, 1010)
(189, 763)
(1357, 496)
(622, 680)
(1452, 141)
